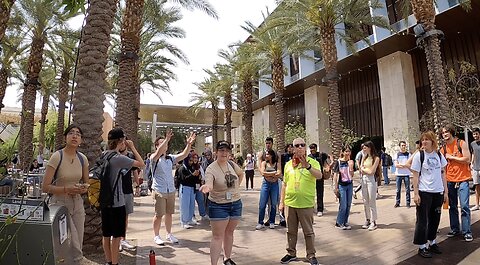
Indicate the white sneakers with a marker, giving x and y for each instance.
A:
(187, 226)
(193, 222)
(170, 237)
(158, 240)
(125, 245)
(272, 226)
(372, 226)
(259, 226)
(320, 214)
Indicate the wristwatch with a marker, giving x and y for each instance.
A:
(309, 166)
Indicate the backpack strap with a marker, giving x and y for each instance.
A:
(459, 145)
(422, 158)
(56, 169)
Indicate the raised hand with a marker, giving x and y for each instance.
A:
(191, 138)
(303, 160)
(168, 135)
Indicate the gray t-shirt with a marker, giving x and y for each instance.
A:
(476, 152)
(118, 163)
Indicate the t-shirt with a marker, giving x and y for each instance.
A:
(402, 159)
(300, 185)
(221, 185)
(456, 171)
(476, 152)
(117, 164)
(342, 168)
(430, 179)
(249, 164)
(163, 177)
(68, 173)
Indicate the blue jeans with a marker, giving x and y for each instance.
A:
(187, 203)
(458, 190)
(200, 199)
(406, 180)
(385, 175)
(268, 191)
(346, 193)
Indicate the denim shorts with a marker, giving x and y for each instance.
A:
(224, 211)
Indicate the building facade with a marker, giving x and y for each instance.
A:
(384, 89)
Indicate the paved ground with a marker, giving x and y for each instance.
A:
(391, 243)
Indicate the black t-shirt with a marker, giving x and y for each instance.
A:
(127, 177)
(343, 170)
(284, 159)
(187, 178)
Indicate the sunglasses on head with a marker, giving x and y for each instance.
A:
(299, 145)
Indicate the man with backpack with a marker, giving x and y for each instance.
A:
(163, 186)
(402, 173)
(458, 173)
(322, 160)
(112, 199)
(387, 162)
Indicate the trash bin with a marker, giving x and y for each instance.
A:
(38, 235)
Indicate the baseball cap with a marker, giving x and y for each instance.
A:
(116, 133)
(223, 144)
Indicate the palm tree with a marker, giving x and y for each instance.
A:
(270, 45)
(315, 21)
(208, 97)
(48, 82)
(12, 48)
(5, 7)
(40, 16)
(223, 76)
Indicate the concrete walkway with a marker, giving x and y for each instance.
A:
(391, 243)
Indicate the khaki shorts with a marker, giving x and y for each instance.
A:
(164, 203)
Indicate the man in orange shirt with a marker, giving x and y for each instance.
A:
(457, 153)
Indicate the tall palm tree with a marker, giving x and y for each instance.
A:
(271, 44)
(40, 16)
(90, 78)
(315, 21)
(5, 8)
(247, 69)
(48, 83)
(12, 48)
(208, 97)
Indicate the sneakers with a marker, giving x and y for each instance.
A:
(193, 222)
(453, 233)
(372, 226)
(126, 245)
(287, 258)
(424, 253)
(341, 227)
(158, 240)
(283, 223)
(187, 226)
(259, 226)
(320, 214)
(170, 237)
(396, 205)
(229, 262)
(313, 261)
(434, 249)
(347, 227)
(475, 208)
(272, 226)
(468, 237)
(366, 225)
(205, 218)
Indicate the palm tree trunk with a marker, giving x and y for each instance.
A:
(5, 7)
(227, 100)
(43, 122)
(3, 85)
(90, 94)
(247, 115)
(329, 51)
(28, 101)
(127, 85)
(214, 124)
(278, 87)
(62, 99)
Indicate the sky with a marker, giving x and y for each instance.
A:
(205, 36)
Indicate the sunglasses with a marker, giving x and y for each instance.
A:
(299, 145)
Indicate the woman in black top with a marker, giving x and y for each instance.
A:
(189, 176)
(343, 170)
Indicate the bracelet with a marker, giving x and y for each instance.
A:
(309, 166)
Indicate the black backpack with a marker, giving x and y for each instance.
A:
(388, 160)
(104, 197)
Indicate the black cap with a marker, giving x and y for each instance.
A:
(223, 144)
(116, 133)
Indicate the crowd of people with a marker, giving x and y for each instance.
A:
(292, 188)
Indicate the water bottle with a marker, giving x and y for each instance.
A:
(151, 256)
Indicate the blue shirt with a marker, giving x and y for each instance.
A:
(163, 177)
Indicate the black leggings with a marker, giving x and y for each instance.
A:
(428, 217)
(249, 176)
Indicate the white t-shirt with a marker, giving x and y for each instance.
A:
(402, 159)
(431, 177)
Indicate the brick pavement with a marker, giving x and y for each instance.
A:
(389, 244)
